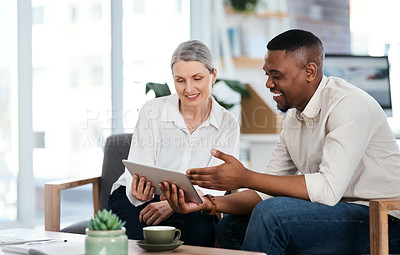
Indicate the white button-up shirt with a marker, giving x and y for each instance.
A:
(161, 138)
(342, 144)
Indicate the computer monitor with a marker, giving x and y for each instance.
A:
(366, 72)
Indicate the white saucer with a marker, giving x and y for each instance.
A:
(158, 247)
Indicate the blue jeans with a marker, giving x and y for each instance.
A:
(231, 230)
(283, 225)
(197, 228)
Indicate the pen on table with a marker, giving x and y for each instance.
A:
(47, 241)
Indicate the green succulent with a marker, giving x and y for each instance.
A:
(105, 220)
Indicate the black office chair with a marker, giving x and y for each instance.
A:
(116, 148)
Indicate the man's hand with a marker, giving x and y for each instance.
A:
(156, 212)
(176, 199)
(227, 176)
(141, 189)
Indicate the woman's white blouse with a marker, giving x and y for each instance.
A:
(161, 138)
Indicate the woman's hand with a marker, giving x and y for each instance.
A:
(176, 199)
(156, 212)
(141, 189)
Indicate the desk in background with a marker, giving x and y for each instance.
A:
(133, 249)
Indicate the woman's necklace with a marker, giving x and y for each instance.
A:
(194, 127)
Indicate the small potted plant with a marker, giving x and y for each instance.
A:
(105, 234)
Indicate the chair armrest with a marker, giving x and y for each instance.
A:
(378, 224)
(52, 199)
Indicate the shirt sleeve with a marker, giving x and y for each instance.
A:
(143, 147)
(348, 134)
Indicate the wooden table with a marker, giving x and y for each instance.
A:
(133, 249)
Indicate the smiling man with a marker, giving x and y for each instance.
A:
(335, 153)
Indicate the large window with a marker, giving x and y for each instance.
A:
(8, 130)
(71, 94)
(152, 29)
(68, 61)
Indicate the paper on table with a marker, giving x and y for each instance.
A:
(51, 248)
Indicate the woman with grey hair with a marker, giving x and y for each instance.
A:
(177, 132)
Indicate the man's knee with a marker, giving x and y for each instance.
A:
(273, 209)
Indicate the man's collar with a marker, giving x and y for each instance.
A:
(314, 105)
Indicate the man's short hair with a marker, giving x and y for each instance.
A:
(295, 39)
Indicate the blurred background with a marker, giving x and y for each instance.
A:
(73, 72)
